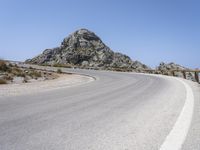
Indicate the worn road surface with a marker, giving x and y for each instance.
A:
(117, 111)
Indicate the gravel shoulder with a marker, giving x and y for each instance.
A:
(63, 81)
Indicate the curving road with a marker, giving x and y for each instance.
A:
(117, 111)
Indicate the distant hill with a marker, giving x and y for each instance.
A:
(85, 49)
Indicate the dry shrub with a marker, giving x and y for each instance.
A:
(59, 71)
(2, 81)
(3, 66)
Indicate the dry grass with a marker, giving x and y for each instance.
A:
(35, 74)
(2, 81)
(17, 72)
(9, 71)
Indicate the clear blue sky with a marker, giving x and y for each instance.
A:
(150, 31)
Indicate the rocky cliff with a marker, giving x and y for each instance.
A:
(85, 49)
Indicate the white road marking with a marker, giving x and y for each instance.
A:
(177, 136)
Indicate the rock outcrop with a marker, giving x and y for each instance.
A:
(170, 68)
(85, 49)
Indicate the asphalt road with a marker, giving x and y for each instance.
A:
(117, 111)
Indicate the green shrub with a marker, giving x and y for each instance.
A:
(59, 71)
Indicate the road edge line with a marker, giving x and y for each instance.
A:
(178, 134)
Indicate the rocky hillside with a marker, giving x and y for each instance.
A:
(85, 49)
(167, 68)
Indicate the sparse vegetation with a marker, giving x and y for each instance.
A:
(34, 73)
(3, 66)
(122, 69)
(8, 77)
(59, 71)
(62, 65)
(45, 64)
(10, 65)
(9, 73)
(17, 72)
(57, 65)
(2, 81)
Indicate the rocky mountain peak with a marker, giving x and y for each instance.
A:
(83, 39)
(84, 49)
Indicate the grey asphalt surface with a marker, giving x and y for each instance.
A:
(118, 111)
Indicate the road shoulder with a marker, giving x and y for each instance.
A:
(192, 141)
(63, 81)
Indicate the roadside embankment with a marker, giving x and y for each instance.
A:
(63, 81)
